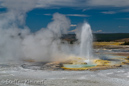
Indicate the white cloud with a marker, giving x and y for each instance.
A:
(77, 15)
(71, 31)
(73, 25)
(98, 31)
(108, 12)
(85, 4)
(59, 3)
(19, 5)
(109, 3)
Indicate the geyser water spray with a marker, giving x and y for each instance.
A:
(86, 42)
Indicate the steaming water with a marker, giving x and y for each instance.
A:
(86, 42)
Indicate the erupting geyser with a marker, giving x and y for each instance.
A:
(86, 42)
(86, 49)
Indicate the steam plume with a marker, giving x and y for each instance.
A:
(17, 42)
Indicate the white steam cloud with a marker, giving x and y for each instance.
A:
(45, 43)
(11, 36)
(18, 43)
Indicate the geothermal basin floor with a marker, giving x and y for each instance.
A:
(28, 75)
(18, 76)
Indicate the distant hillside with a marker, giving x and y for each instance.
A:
(110, 36)
(100, 37)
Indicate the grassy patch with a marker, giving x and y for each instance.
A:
(107, 43)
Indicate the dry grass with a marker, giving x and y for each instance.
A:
(107, 43)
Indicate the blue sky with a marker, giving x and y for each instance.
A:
(99, 21)
(104, 16)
